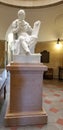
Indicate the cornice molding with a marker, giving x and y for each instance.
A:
(31, 3)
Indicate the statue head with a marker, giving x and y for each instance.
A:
(21, 14)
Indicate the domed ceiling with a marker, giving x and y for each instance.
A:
(30, 3)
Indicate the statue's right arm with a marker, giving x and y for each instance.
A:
(15, 26)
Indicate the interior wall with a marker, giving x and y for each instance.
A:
(56, 54)
(2, 54)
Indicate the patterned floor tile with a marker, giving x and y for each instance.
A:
(62, 90)
(39, 126)
(55, 110)
(21, 128)
(57, 95)
(44, 95)
(57, 104)
(47, 101)
(13, 128)
(52, 91)
(52, 127)
(5, 128)
(61, 100)
(52, 118)
(60, 121)
(32, 128)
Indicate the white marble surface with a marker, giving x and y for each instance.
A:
(34, 58)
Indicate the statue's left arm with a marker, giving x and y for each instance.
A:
(36, 28)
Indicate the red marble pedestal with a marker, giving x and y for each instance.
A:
(25, 107)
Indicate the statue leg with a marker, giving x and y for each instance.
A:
(16, 50)
(24, 45)
(33, 41)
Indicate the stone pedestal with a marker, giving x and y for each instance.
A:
(25, 107)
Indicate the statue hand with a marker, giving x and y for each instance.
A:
(37, 22)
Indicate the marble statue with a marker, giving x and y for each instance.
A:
(24, 36)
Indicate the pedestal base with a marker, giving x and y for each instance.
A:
(26, 118)
(25, 105)
(33, 58)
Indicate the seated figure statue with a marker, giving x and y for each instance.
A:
(26, 35)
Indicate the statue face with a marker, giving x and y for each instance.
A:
(21, 15)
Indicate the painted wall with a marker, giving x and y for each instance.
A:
(56, 54)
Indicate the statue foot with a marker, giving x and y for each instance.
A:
(28, 53)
